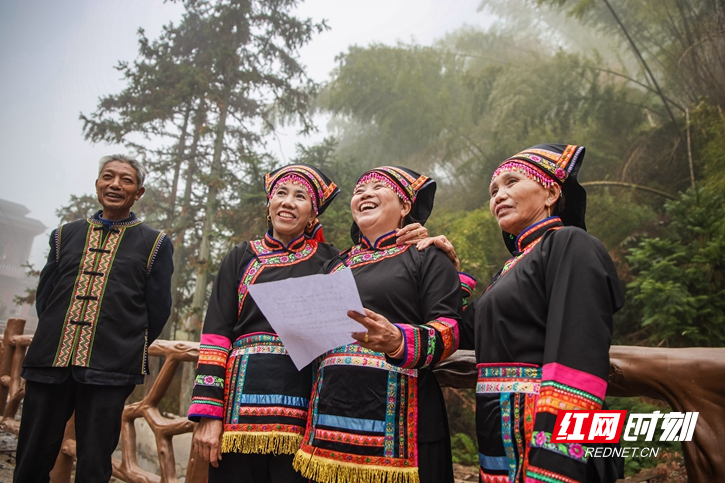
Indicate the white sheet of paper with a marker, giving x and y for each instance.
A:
(310, 313)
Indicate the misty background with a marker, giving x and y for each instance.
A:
(449, 89)
(58, 58)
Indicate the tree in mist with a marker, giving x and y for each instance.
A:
(197, 105)
(560, 71)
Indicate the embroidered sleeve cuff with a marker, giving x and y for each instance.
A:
(202, 407)
(468, 283)
(408, 355)
(214, 350)
(564, 388)
(448, 331)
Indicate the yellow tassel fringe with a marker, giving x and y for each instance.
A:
(324, 470)
(260, 443)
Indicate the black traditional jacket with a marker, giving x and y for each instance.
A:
(542, 332)
(368, 414)
(245, 376)
(103, 297)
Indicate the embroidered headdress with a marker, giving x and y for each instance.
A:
(321, 189)
(548, 164)
(410, 186)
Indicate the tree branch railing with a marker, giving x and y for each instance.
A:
(687, 379)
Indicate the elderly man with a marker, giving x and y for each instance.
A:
(103, 297)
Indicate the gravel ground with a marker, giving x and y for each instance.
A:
(8, 443)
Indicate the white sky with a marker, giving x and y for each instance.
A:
(57, 59)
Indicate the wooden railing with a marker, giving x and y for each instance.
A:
(690, 379)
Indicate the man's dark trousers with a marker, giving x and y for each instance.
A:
(98, 410)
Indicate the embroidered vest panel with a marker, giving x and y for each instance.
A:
(266, 257)
(509, 391)
(364, 421)
(266, 397)
(364, 415)
(96, 314)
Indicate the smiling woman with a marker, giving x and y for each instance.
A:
(250, 399)
(370, 419)
(290, 210)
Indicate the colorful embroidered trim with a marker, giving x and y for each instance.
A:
(81, 319)
(154, 252)
(555, 397)
(296, 180)
(532, 172)
(584, 381)
(468, 283)
(575, 451)
(448, 330)
(268, 258)
(356, 355)
(564, 388)
(273, 411)
(407, 185)
(211, 381)
(359, 256)
(347, 438)
(374, 176)
(206, 407)
(540, 475)
(264, 437)
(487, 478)
(525, 237)
(57, 243)
(213, 350)
(321, 190)
(398, 460)
(511, 263)
(494, 378)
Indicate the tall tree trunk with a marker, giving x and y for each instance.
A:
(180, 152)
(197, 303)
(182, 224)
(156, 363)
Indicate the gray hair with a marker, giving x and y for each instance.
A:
(140, 170)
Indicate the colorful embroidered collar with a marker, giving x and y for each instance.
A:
(536, 231)
(296, 245)
(385, 241)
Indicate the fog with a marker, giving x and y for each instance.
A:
(58, 58)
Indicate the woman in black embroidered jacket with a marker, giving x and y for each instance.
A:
(249, 398)
(370, 420)
(543, 327)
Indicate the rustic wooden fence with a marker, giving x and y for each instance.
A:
(690, 379)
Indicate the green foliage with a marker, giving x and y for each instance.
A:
(477, 238)
(679, 278)
(708, 127)
(634, 464)
(614, 219)
(457, 110)
(465, 450)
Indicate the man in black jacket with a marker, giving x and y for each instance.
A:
(103, 296)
